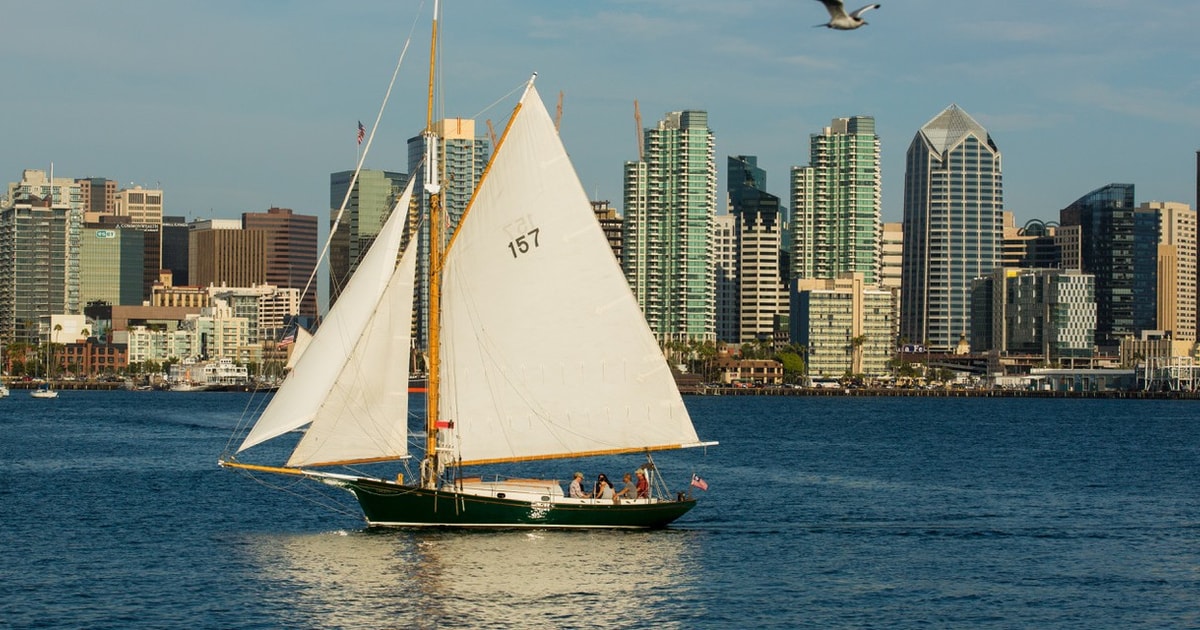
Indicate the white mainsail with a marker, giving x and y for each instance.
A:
(349, 383)
(546, 353)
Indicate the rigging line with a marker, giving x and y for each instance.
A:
(244, 422)
(327, 501)
(366, 150)
(522, 85)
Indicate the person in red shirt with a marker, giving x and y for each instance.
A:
(643, 485)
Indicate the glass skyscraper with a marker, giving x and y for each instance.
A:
(670, 203)
(370, 203)
(953, 227)
(836, 203)
(1119, 246)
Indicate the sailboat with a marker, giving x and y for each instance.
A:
(537, 351)
(44, 390)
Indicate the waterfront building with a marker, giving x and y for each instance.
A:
(220, 252)
(670, 197)
(1120, 248)
(1177, 253)
(1046, 312)
(761, 295)
(40, 223)
(844, 324)
(836, 203)
(953, 199)
(268, 309)
(368, 206)
(291, 252)
(216, 332)
(725, 269)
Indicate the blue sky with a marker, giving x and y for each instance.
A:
(235, 106)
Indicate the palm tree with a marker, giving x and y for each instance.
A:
(856, 344)
(50, 349)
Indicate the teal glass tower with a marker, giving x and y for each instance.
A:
(670, 199)
(836, 202)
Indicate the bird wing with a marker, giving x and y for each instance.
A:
(861, 11)
(835, 7)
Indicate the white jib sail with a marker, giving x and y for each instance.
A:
(303, 338)
(351, 382)
(546, 352)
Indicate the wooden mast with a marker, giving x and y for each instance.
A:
(430, 467)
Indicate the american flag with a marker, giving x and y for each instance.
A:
(288, 340)
(362, 131)
(698, 482)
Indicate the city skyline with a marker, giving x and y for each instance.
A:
(233, 108)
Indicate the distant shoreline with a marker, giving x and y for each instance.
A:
(689, 390)
(932, 393)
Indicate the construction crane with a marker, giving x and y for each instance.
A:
(637, 120)
(558, 112)
(491, 133)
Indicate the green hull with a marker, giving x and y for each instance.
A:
(386, 504)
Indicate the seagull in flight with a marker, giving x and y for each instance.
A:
(838, 18)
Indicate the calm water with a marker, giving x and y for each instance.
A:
(822, 512)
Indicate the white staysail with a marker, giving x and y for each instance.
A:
(303, 338)
(348, 383)
(546, 353)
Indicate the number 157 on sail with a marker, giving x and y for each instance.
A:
(522, 244)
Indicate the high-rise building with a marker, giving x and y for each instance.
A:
(40, 222)
(1120, 248)
(140, 206)
(462, 157)
(220, 253)
(111, 265)
(953, 199)
(369, 204)
(725, 270)
(1177, 253)
(97, 195)
(291, 251)
(836, 203)
(175, 249)
(891, 262)
(762, 297)
(670, 199)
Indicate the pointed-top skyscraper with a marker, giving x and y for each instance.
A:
(953, 226)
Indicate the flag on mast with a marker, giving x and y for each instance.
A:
(362, 131)
(698, 482)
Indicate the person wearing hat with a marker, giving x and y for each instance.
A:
(575, 491)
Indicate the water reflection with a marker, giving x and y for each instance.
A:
(391, 578)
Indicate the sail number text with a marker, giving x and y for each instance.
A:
(524, 243)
